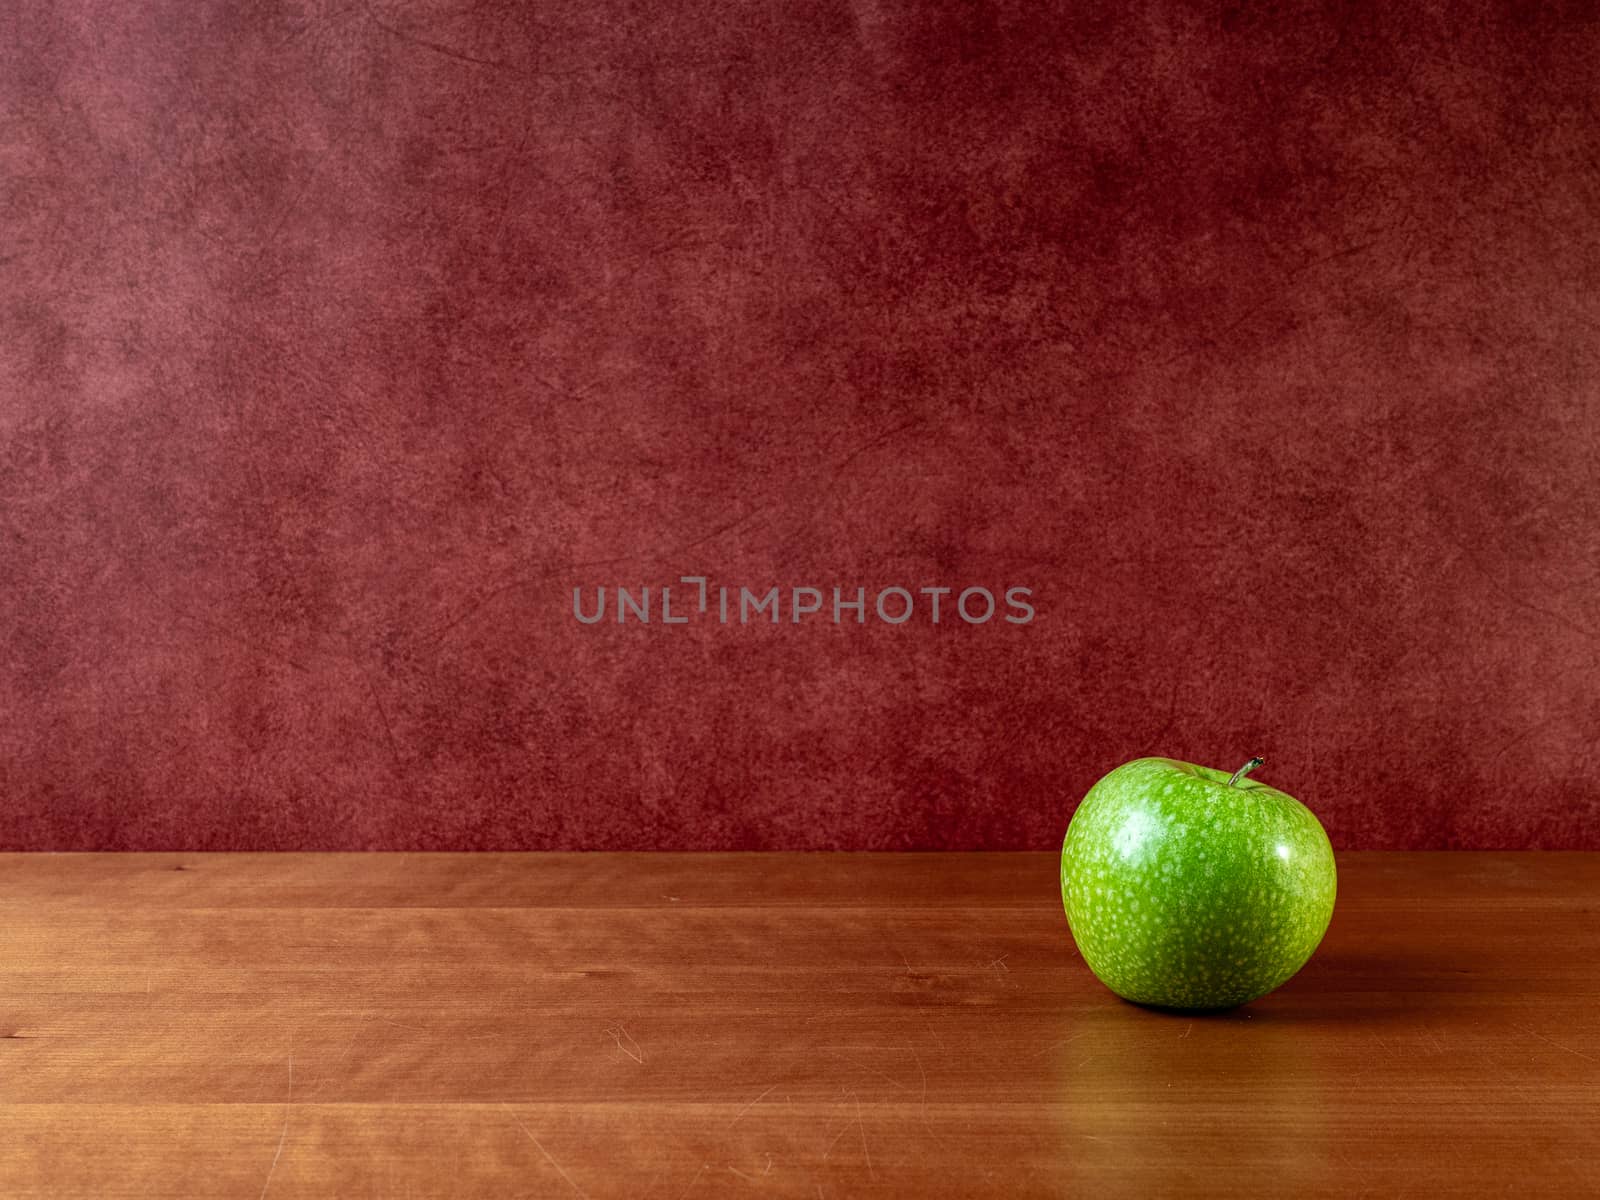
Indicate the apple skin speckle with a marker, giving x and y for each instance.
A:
(1183, 892)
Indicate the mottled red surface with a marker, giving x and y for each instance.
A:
(338, 342)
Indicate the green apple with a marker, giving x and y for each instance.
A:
(1189, 888)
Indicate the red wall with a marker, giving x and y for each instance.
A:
(339, 342)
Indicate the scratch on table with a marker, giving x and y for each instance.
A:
(624, 1041)
(1001, 963)
(742, 1175)
(355, 1036)
(403, 1025)
(1187, 1030)
(1057, 1045)
(1357, 1170)
(871, 1174)
(844, 1126)
(550, 1158)
(750, 1105)
(917, 1001)
(924, 1074)
(1556, 1044)
(284, 1135)
(843, 1129)
(692, 1182)
(863, 1067)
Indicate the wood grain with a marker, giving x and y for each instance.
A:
(666, 1026)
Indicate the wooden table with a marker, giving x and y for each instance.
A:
(664, 1026)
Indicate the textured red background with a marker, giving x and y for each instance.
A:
(339, 341)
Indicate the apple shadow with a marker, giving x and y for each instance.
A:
(1357, 986)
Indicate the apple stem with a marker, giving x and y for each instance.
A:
(1245, 770)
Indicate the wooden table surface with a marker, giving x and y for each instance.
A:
(665, 1026)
